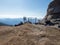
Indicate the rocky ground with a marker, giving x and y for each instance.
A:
(29, 34)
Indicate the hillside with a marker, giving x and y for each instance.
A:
(17, 20)
(29, 34)
(3, 24)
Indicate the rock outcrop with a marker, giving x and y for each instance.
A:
(53, 13)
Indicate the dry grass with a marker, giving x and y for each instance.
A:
(29, 34)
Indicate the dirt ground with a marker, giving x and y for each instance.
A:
(29, 34)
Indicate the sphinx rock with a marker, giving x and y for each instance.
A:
(53, 13)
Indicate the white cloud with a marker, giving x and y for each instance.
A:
(21, 14)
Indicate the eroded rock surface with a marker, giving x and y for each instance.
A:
(53, 13)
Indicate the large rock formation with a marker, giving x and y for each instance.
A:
(53, 13)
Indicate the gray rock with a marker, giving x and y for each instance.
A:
(53, 13)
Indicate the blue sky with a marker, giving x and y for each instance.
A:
(21, 8)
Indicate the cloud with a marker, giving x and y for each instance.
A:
(21, 14)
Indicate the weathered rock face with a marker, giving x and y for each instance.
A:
(53, 12)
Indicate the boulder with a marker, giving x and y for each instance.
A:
(53, 13)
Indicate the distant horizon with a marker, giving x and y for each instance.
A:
(13, 21)
(15, 17)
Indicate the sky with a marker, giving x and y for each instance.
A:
(23, 8)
